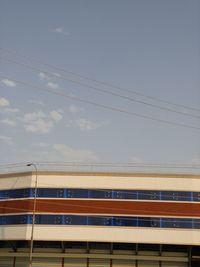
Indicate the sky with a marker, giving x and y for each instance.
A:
(146, 50)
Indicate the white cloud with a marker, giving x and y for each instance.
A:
(12, 110)
(41, 144)
(9, 122)
(6, 139)
(39, 122)
(39, 125)
(85, 125)
(70, 154)
(60, 30)
(56, 74)
(4, 102)
(37, 102)
(28, 117)
(44, 76)
(52, 85)
(56, 115)
(8, 82)
(74, 109)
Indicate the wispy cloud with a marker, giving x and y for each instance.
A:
(37, 102)
(56, 74)
(8, 82)
(85, 125)
(9, 122)
(60, 30)
(4, 102)
(56, 115)
(52, 85)
(39, 122)
(44, 76)
(74, 109)
(6, 139)
(41, 145)
(70, 154)
(12, 110)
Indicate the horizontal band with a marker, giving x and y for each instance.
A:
(111, 207)
(44, 219)
(101, 194)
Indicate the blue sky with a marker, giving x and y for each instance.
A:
(149, 47)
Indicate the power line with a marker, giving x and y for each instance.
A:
(101, 89)
(78, 99)
(121, 164)
(99, 82)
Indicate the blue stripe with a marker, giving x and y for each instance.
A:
(119, 221)
(101, 194)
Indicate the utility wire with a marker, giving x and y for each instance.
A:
(119, 164)
(78, 99)
(36, 69)
(98, 81)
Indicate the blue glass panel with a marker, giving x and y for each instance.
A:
(99, 220)
(49, 219)
(144, 194)
(124, 194)
(196, 196)
(176, 196)
(155, 222)
(47, 192)
(80, 193)
(176, 223)
(2, 220)
(14, 193)
(100, 194)
(16, 219)
(184, 196)
(196, 223)
(169, 195)
(3, 194)
(60, 193)
(125, 221)
(69, 193)
(78, 220)
(144, 222)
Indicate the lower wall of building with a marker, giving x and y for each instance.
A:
(86, 263)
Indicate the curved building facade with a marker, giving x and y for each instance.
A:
(100, 219)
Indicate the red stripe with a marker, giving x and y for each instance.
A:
(102, 207)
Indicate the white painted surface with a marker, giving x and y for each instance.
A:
(13, 232)
(16, 182)
(102, 234)
(116, 182)
(103, 182)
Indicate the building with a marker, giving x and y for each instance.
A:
(100, 219)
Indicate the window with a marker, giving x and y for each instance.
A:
(100, 193)
(152, 195)
(169, 195)
(99, 220)
(196, 196)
